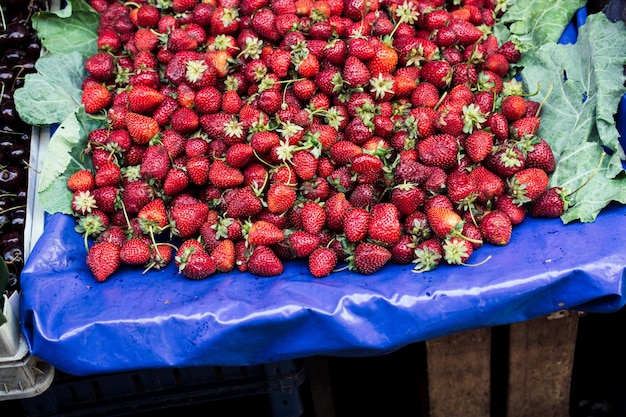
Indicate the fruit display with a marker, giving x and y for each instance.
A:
(19, 50)
(240, 135)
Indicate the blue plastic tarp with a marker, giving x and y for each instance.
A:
(160, 319)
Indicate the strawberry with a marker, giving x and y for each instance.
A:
(186, 219)
(336, 207)
(135, 251)
(223, 176)
(224, 255)
(384, 225)
(528, 184)
(153, 216)
(81, 180)
(160, 256)
(241, 203)
(516, 212)
(443, 221)
(108, 173)
(467, 33)
(511, 51)
(355, 73)
(496, 63)
(428, 255)
(369, 258)
(101, 66)
(175, 181)
(513, 108)
(496, 228)
(302, 243)
(141, 128)
(198, 265)
(143, 99)
(552, 203)
(264, 233)
(438, 73)
(438, 150)
(105, 198)
(96, 97)
(384, 60)
(155, 163)
(539, 155)
(103, 259)
(489, 186)
(407, 198)
(264, 262)
(456, 250)
(478, 145)
(527, 125)
(280, 198)
(356, 224)
(322, 262)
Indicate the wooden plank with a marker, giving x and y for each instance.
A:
(459, 374)
(318, 374)
(541, 358)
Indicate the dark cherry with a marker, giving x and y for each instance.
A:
(19, 152)
(21, 195)
(33, 49)
(12, 178)
(14, 255)
(4, 221)
(8, 114)
(18, 218)
(17, 33)
(14, 55)
(11, 239)
(6, 75)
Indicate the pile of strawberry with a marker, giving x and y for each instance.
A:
(243, 134)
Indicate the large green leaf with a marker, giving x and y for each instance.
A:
(64, 158)
(532, 23)
(578, 118)
(71, 29)
(54, 91)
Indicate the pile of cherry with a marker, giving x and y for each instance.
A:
(348, 133)
(19, 49)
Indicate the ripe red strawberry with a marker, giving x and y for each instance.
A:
(280, 198)
(176, 181)
(322, 262)
(497, 63)
(428, 255)
(443, 221)
(101, 66)
(516, 212)
(513, 107)
(143, 99)
(135, 251)
(81, 180)
(438, 73)
(142, 128)
(198, 265)
(438, 150)
(96, 97)
(407, 198)
(505, 160)
(496, 228)
(456, 250)
(153, 216)
(539, 155)
(528, 184)
(304, 164)
(241, 203)
(264, 233)
(355, 73)
(135, 195)
(109, 173)
(356, 224)
(224, 255)
(478, 145)
(302, 243)
(264, 262)
(527, 125)
(186, 219)
(369, 257)
(498, 125)
(489, 186)
(223, 176)
(313, 217)
(384, 226)
(103, 259)
(552, 203)
(510, 50)
(155, 163)
(336, 207)
(105, 198)
(384, 60)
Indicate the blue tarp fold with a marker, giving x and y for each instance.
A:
(160, 319)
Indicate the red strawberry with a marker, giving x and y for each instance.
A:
(176, 181)
(336, 207)
(489, 186)
(143, 99)
(224, 255)
(528, 184)
(438, 73)
(198, 265)
(141, 128)
(81, 180)
(103, 259)
(527, 125)
(135, 251)
(369, 258)
(443, 221)
(407, 198)
(478, 145)
(516, 212)
(539, 155)
(153, 216)
(384, 224)
(302, 243)
(552, 203)
(496, 228)
(101, 66)
(456, 250)
(355, 72)
(109, 173)
(322, 262)
(264, 233)
(428, 255)
(356, 224)
(186, 219)
(106, 198)
(313, 217)
(96, 97)
(438, 150)
(241, 203)
(513, 107)
(497, 63)
(280, 198)
(264, 262)
(223, 176)
(155, 163)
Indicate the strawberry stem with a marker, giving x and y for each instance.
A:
(544, 100)
(588, 180)
(479, 263)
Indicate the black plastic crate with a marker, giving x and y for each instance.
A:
(126, 393)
